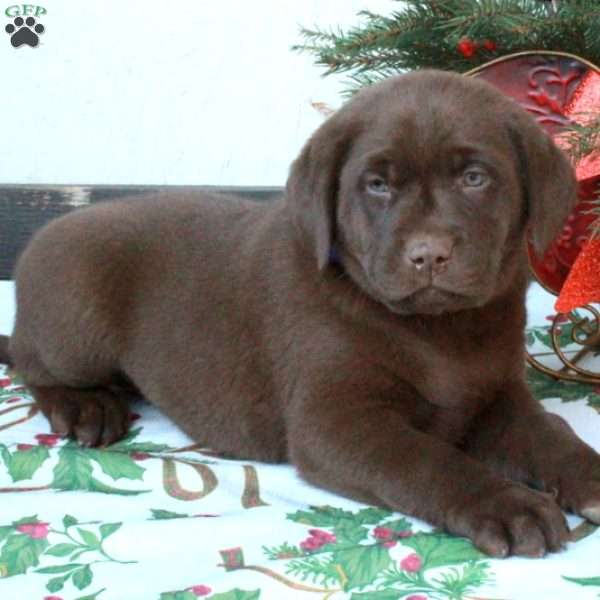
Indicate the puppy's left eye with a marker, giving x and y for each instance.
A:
(377, 186)
(474, 178)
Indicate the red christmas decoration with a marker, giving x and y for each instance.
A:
(490, 45)
(583, 283)
(467, 47)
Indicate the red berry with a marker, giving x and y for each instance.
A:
(490, 45)
(23, 447)
(466, 47)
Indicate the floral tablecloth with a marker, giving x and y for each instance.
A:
(156, 517)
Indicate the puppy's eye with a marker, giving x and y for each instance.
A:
(474, 178)
(377, 186)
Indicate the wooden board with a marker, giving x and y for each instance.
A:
(24, 209)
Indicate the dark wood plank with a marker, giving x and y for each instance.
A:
(24, 209)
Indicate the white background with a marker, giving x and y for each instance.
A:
(165, 91)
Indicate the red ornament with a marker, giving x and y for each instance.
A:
(583, 283)
(490, 45)
(467, 47)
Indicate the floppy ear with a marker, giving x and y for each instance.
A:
(312, 186)
(548, 180)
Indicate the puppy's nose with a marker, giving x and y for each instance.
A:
(429, 254)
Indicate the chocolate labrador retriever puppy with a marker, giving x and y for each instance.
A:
(368, 327)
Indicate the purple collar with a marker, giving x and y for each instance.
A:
(334, 257)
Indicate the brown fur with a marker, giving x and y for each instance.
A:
(232, 318)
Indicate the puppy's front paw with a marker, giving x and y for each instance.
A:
(514, 520)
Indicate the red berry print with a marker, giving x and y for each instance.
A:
(200, 590)
(388, 536)
(383, 533)
(4, 382)
(139, 455)
(316, 540)
(411, 563)
(47, 439)
(35, 531)
(24, 447)
(323, 536)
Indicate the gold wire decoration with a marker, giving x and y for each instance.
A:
(583, 346)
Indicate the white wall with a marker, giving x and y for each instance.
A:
(165, 91)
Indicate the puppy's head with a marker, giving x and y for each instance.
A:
(426, 185)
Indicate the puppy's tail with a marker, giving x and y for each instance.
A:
(4, 354)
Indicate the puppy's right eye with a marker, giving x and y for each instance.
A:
(377, 186)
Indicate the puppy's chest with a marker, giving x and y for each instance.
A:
(452, 382)
(454, 388)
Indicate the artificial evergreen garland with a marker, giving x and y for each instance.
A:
(456, 35)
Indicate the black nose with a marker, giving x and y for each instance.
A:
(429, 253)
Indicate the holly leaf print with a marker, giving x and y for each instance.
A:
(441, 550)
(158, 513)
(116, 464)
(587, 581)
(236, 594)
(543, 386)
(21, 552)
(74, 471)
(127, 444)
(362, 564)
(328, 516)
(22, 464)
(178, 596)
(380, 595)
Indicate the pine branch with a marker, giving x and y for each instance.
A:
(426, 33)
(584, 140)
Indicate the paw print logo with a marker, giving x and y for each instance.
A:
(24, 32)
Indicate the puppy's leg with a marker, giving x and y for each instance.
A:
(347, 439)
(95, 417)
(522, 441)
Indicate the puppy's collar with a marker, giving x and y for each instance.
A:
(334, 257)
